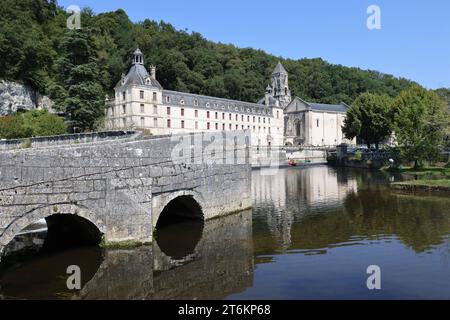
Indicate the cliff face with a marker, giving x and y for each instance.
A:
(15, 96)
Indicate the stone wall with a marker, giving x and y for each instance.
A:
(68, 139)
(15, 96)
(120, 187)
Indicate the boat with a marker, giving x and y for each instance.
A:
(292, 163)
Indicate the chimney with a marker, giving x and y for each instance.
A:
(153, 72)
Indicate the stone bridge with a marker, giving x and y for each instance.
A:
(118, 191)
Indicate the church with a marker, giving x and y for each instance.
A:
(141, 103)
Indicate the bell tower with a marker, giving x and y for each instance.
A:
(280, 85)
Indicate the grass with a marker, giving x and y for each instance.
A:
(427, 171)
(426, 183)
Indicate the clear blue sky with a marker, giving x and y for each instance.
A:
(414, 41)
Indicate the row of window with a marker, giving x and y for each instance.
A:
(208, 125)
(141, 95)
(208, 115)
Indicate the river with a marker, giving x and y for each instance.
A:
(312, 234)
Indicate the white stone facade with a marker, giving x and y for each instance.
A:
(140, 103)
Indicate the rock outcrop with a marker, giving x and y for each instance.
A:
(15, 97)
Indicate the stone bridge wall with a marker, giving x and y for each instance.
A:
(120, 187)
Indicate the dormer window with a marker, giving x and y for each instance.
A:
(196, 102)
(182, 102)
(148, 81)
(168, 99)
(207, 105)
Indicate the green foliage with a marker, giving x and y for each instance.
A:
(43, 123)
(13, 127)
(37, 49)
(79, 93)
(420, 119)
(34, 123)
(369, 118)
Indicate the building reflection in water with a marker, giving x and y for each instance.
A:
(313, 210)
(211, 264)
(290, 194)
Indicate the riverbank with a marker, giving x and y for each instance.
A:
(426, 180)
(423, 186)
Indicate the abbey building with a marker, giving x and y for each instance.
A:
(140, 103)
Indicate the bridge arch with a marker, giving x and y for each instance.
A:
(184, 203)
(69, 218)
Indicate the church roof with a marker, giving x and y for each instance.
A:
(328, 107)
(138, 75)
(279, 69)
(299, 105)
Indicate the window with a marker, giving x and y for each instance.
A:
(259, 119)
(124, 121)
(196, 113)
(223, 116)
(208, 126)
(223, 126)
(182, 112)
(254, 119)
(217, 115)
(207, 114)
(237, 127)
(168, 99)
(168, 123)
(124, 109)
(264, 120)
(168, 111)
(207, 104)
(182, 124)
(229, 126)
(142, 122)
(278, 114)
(242, 127)
(155, 109)
(270, 130)
(237, 118)
(196, 125)
(318, 123)
(248, 118)
(196, 102)
(229, 116)
(242, 118)
(154, 96)
(124, 95)
(155, 122)
(182, 102)
(217, 126)
(142, 94)
(269, 120)
(142, 108)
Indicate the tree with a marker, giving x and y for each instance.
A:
(41, 123)
(369, 118)
(78, 92)
(12, 127)
(420, 122)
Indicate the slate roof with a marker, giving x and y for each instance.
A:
(328, 107)
(279, 69)
(137, 76)
(218, 104)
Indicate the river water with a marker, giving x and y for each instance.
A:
(312, 234)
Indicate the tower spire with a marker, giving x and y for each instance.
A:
(280, 85)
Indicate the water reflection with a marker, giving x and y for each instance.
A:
(215, 260)
(312, 234)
